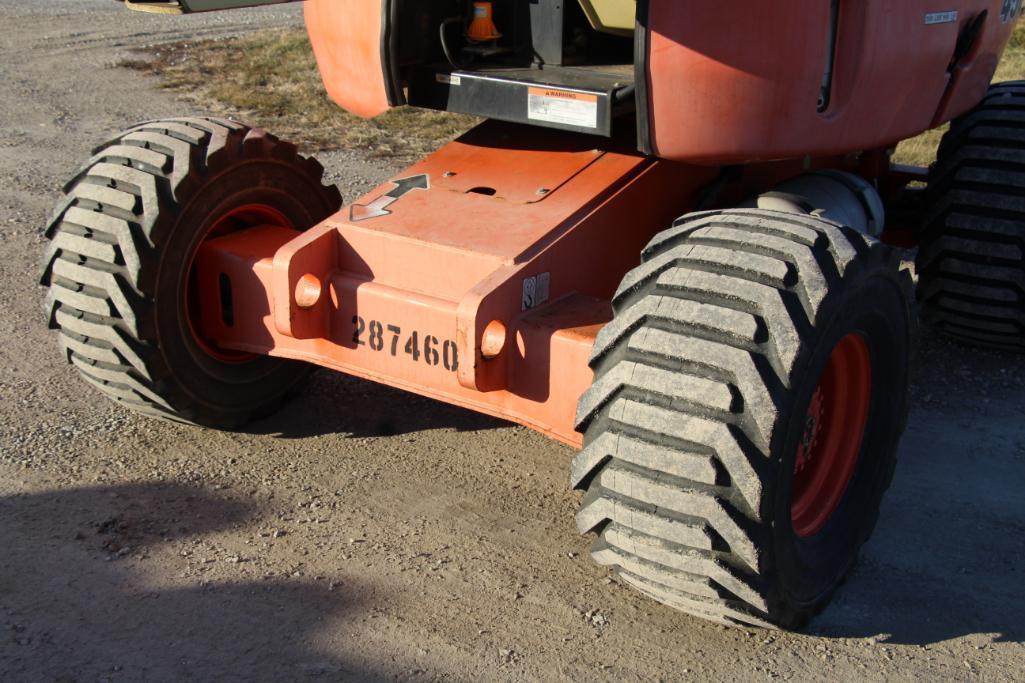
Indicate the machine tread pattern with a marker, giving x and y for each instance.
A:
(690, 378)
(104, 238)
(972, 256)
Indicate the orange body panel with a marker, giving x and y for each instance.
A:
(747, 88)
(970, 78)
(346, 36)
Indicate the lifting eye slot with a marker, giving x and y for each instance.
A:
(227, 303)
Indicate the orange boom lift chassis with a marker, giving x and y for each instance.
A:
(738, 397)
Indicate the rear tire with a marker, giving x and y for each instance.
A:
(971, 261)
(118, 268)
(704, 384)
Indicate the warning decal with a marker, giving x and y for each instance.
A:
(562, 106)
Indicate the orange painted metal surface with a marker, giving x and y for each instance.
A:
(346, 36)
(731, 83)
(405, 297)
(971, 76)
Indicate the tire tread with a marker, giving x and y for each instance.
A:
(690, 380)
(971, 259)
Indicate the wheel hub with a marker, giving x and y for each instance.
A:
(834, 428)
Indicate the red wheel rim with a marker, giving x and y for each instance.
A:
(240, 218)
(833, 432)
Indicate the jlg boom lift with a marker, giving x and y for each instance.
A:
(737, 398)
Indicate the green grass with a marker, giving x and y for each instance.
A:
(271, 77)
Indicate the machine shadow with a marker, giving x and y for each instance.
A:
(87, 549)
(336, 403)
(946, 560)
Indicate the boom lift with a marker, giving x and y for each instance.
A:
(737, 397)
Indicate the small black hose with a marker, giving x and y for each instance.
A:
(444, 40)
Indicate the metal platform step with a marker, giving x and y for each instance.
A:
(574, 98)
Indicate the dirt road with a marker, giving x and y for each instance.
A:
(366, 534)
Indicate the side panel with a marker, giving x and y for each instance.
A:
(740, 84)
(348, 38)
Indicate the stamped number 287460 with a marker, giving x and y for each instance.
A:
(419, 347)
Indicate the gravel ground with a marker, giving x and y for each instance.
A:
(366, 534)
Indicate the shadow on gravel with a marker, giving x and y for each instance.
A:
(334, 403)
(948, 556)
(88, 549)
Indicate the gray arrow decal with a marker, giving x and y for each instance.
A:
(379, 206)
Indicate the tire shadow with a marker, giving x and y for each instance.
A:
(335, 403)
(88, 550)
(948, 557)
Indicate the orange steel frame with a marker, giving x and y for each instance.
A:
(482, 281)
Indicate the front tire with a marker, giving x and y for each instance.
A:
(748, 401)
(119, 273)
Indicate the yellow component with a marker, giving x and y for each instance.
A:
(157, 7)
(483, 28)
(611, 16)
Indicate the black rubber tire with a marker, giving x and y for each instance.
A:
(702, 385)
(971, 259)
(121, 244)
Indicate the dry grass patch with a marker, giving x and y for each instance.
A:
(271, 78)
